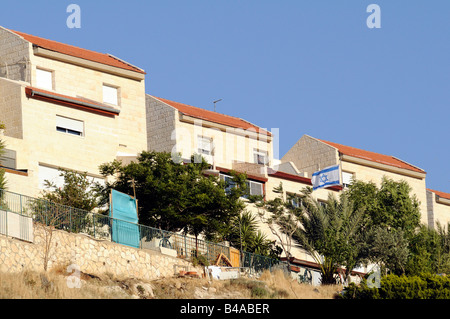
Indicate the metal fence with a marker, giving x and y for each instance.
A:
(100, 227)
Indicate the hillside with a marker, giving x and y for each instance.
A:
(55, 285)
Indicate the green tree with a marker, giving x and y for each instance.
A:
(78, 191)
(389, 249)
(177, 196)
(390, 224)
(329, 233)
(390, 206)
(429, 251)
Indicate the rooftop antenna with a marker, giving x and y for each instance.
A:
(215, 104)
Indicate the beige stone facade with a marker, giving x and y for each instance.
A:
(75, 96)
(310, 154)
(438, 204)
(172, 130)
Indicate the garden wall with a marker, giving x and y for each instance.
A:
(92, 256)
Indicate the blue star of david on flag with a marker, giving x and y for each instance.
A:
(323, 178)
(326, 178)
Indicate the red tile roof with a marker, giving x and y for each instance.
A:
(440, 194)
(78, 52)
(214, 116)
(374, 157)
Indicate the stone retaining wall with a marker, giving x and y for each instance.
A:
(96, 257)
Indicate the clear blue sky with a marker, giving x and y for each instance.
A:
(304, 67)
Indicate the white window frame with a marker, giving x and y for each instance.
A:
(69, 126)
(110, 94)
(44, 79)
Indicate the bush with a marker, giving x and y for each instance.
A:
(425, 286)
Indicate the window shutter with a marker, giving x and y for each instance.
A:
(70, 124)
(205, 145)
(110, 95)
(50, 174)
(44, 79)
(347, 178)
(256, 188)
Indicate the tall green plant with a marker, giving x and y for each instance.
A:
(329, 233)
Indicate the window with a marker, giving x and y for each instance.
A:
(205, 145)
(295, 200)
(260, 157)
(49, 174)
(255, 188)
(53, 175)
(69, 126)
(8, 159)
(322, 203)
(110, 95)
(205, 148)
(347, 179)
(44, 79)
(229, 182)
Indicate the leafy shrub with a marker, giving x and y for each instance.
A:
(424, 286)
(259, 292)
(200, 260)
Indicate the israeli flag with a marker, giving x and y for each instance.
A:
(325, 178)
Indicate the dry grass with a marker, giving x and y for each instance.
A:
(54, 285)
(288, 288)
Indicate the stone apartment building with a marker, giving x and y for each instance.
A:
(73, 108)
(310, 154)
(227, 143)
(66, 107)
